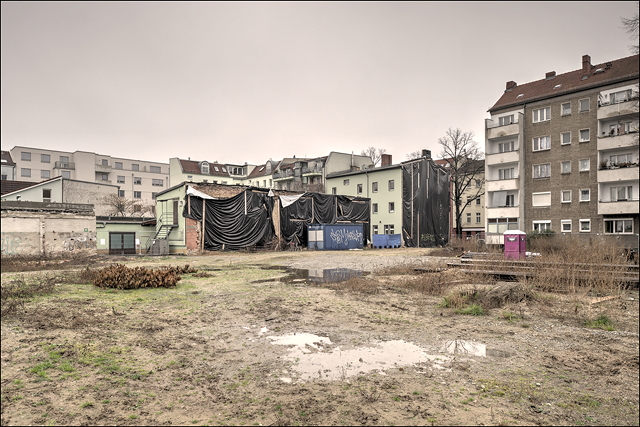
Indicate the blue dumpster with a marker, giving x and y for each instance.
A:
(335, 237)
(386, 241)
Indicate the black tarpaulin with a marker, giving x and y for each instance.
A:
(425, 190)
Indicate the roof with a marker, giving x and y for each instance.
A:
(192, 166)
(7, 187)
(260, 170)
(57, 178)
(597, 75)
(6, 158)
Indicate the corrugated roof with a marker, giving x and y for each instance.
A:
(607, 73)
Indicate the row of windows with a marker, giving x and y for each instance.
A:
(544, 198)
(478, 218)
(46, 158)
(25, 156)
(541, 143)
(544, 114)
(44, 174)
(374, 207)
(388, 229)
(544, 170)
(611, 226)
(374, 186)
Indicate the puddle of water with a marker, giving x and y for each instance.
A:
(472, 348)
(311, 361)
(327, 275)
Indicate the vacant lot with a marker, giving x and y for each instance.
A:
(391, 347)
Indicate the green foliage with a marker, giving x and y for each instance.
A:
(601, 322)
(473, 309)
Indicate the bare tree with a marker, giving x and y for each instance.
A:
(631, 26)
(465, 162)
(414, 155)
(121, 206)
(374, 153)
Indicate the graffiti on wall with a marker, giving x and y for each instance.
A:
(343, 236)
(13, 244)
(78, 241)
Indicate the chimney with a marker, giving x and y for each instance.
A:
(426, 154)
(550, 75)
(511, 85)
(586, 64)
(386, 160)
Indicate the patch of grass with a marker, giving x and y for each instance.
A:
(511, 317)
(41, 369)
(601, 322)
(473, 310)
(87, 405)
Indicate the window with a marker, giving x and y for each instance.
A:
(135, 167)
(120, 179)
(478, 183)
(505, 147)
(25, 172)
(137, 194)
(375, 229)
(541, 143)
(333, 190)
(137, 180)
(621, 96)
(392, 207)
(618, 226)
(45, 174)
(478, 201)
(46, 195)
(505, 120)
(64, 159)
(584, 165)
(584, 105)
(541, 226)
(155, 169)
(45, 158)
(565, 225)
(510, 201)
(566, 167)
(565, 196)
(542, 171)
(566, 108)
(565, 138)
(374, 187)
(157, 182)
(619, 194)
(66, 174)
(585, 225)
(541, 199)
(105, 162)
(374, 208)
(359, 189)
(584, 135)
(345, 182)
(204, 168)
(25, 156)
(585, 195)
(388, 229)
(468, 218)
(616, 160)
(215, 168)
(541, 114)
(105, 176)
(506, 173)
(478, 217)
(120, 193)
(118, 165)
(391, 185)
(500, 225)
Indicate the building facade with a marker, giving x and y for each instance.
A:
(562, 154)
(136, 179)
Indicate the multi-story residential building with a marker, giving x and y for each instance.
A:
(411, 198)
(562, 154)
(8, 166)
(137, 179)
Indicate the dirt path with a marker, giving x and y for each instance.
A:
(244, 346)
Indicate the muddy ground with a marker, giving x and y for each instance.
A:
(220, 349)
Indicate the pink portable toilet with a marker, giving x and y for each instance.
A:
(515, 244)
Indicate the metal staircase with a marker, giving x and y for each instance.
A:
(164, 225)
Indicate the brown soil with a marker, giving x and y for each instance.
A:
(198, 354)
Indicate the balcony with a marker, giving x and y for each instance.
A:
(497, 158)
(312, 171)
(608, 142)
(64, 165)
(503, 211)
(623, 207)
(283, 175)
(497, 131)
(613, 174)
(502, 184)
(103, 168)
(626, 107)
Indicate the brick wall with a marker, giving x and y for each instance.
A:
(192, 234)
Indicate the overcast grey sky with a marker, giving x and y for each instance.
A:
(237, 82)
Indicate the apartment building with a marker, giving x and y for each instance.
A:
(136, 179)
(562, 154)
(8, 166)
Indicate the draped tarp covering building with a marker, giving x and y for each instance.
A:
(425, 190)
(254, 217)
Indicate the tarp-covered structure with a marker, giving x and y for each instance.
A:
(425, 199)
(255, 217)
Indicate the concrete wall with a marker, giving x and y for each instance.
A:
(27, 231)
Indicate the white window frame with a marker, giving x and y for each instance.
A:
(502, 173)
(540, 194)
(374, 187)
(562, 198)
(562, 138)
(540, 168)
(392, 207)
(588, 135)
(391, 185)
(506, 147)
(375, 229)
(345, 182)
(628, 193)
(138, 194)
(542, 225)
(541, 143)
(614, 220)
(588, 164)
(120, 193)
(564, 222)
(478, 217)
(589, 193)
(468, 217)
(563, 111)
(582, 222)
(157, 182)
(580, 110)
(137, 180)
(541, 114)
(359, 188)
(562, 167)
(119, 180)
(506, 120)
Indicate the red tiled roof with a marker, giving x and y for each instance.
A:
(260, 170)
(614, 71)
(191, 166)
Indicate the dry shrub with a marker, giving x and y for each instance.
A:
(12, 263)
(121, 277)
(15, 293)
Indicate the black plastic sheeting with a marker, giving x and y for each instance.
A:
(246, 219)
(425, 213)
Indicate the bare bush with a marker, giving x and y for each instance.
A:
(14, 294)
